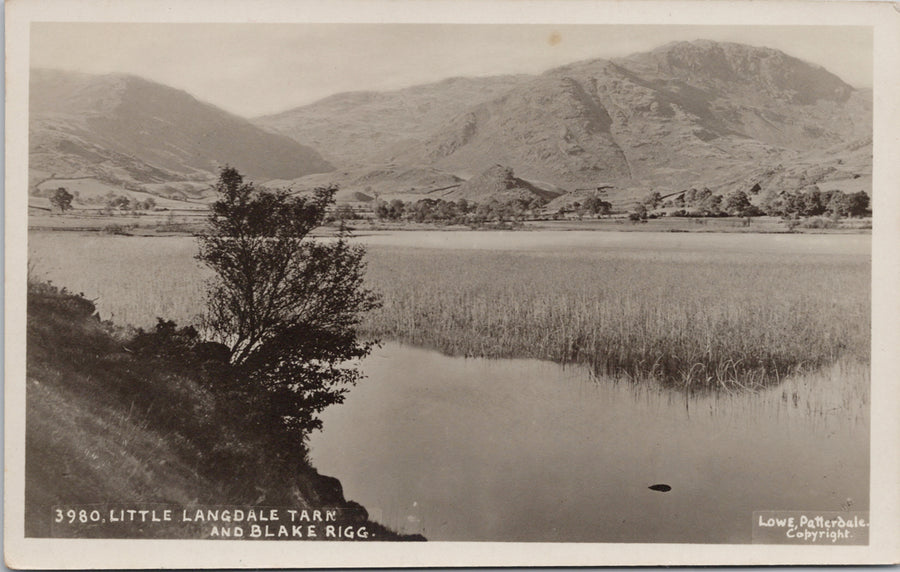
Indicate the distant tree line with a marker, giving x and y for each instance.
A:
(814, 202)
(460, 211)
(786, 204)
(61, 200)
(704, 202)
(125, 203)
(592, 206)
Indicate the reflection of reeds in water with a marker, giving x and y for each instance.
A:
(743, 325)
(840, 390)
(836, 393)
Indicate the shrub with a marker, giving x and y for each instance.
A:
(117, 229)
(61, 199)
(819, 222)
(286, 306)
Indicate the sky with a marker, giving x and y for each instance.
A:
(258, 69)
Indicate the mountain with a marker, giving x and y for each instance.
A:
(680, 115)
(357, 128)
(687, 114)
(128, 131)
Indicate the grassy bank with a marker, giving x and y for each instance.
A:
(106, 425)
(684, 321)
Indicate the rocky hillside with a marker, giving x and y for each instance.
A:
(386, 182)
(680, 115)
(687, 114)
(125, 130)
(359, 128)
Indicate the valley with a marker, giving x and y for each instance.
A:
(689, 115)
(625, 299)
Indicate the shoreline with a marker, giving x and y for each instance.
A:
(145, 431)
(157, 225)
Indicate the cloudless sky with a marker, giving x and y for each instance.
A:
(256, 69)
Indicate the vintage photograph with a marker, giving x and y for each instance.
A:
(448, 282)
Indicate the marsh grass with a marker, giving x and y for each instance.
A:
(693, 325)
(691, 320)
(131, 280)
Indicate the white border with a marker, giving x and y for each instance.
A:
(885, 515)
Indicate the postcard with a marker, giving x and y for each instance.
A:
(453, 283)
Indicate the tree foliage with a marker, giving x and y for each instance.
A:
(639, 212)
(814, 202)
(738, 204)
(652, 200)
(858, 204)
(442, 211)
(597, 206)
(61, 199)
(285, 305)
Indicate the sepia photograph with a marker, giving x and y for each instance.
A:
(571, 289)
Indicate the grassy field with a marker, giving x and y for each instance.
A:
(697, 317)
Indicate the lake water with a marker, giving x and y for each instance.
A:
(473, 449)
(725, 244)
(522, 450)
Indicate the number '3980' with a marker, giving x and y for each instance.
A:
(72, 516)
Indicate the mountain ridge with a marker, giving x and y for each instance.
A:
(128, 130)
(383, 119)
(687, 114)
(682, 115)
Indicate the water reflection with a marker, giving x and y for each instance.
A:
(521, 450)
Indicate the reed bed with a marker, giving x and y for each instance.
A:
(690, 325)
(689, 320)
(132, 280)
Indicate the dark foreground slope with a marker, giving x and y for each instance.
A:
(106, 426)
